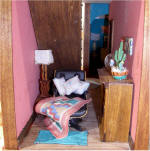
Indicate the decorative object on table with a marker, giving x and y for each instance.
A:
(118, 71)
(128, 45)
(44, 57)
(109, 61)
(58, 111)
(73, 138)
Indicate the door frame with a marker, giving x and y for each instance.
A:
(7, 83)
(86, 38)
(142, 129)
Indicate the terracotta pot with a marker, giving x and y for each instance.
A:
(119, 73)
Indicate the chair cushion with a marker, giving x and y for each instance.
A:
(59, 83)
(72, 85)
(82, 88)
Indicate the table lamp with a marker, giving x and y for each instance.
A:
(44, 58)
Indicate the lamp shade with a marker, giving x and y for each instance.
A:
(44, 57)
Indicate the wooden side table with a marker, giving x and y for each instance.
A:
(115, 107)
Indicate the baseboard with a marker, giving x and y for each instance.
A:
(26, 129)
(131, 142)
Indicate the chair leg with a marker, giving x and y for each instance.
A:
(74, 124)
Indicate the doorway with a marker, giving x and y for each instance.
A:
(99, 21)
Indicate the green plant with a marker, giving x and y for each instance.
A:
(120, 57)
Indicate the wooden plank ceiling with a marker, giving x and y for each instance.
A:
(57, 26)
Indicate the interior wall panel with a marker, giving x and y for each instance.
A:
(57, 26)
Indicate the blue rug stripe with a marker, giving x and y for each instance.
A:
(73, 138)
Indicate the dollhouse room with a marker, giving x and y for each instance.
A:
(73, 75)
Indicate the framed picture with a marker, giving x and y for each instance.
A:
(128, 45)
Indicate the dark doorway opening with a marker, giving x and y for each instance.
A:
(99, 21)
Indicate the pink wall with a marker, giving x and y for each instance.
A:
(26, 73)
(128, 19)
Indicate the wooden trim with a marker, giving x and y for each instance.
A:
(86, 38)
(97, 1)
(26, 129)
(131, 142)
(142, 130)
(6, 81)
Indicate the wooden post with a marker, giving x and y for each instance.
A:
(45, 72)
(6, 81)
(142, 130)
(44, 88)
(42, 72)
(44, 82)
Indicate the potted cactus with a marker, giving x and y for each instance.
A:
(118, 71)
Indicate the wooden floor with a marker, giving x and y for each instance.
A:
(89, 122)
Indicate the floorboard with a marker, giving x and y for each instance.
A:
(89, 122)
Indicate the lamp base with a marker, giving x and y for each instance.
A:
(44, 88)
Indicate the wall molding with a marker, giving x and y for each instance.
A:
(26, 129)
(131, 142)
